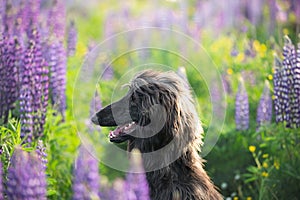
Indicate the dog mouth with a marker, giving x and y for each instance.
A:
(122, 133)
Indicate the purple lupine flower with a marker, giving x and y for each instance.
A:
(4, 55)
(96, 104)
(34, 90)
(242, 108)
(296, 71)
(254, 11)
(57, 19)
(33, 11)
(295, 67)
(86, 177)
(226, 83)
(136, 185)
(287, 85)
(58, 76)
(264, 109)
(26, 95)
(234, 52)
(2, 15)
(11, 57)
(40, 87)
(72, 39)
(9, 17)
(26, 177)
(108, 72)
(277, 82)
(287, 82)
(41, 153)
(117, 190)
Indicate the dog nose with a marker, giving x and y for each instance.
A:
(95, 120)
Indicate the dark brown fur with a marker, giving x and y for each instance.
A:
(180, 136)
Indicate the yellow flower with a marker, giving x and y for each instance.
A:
(270, 77)
(265, 165)
(240, 57)
(265, 155)
(256, 45)
(229, 71)
(285, 31)
(273, 97)
(276, 164)
(81, 49)
(252, 148)
(265, 174)
(235, 198)
(249, 198)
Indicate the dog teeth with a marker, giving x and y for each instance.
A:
(111, 134)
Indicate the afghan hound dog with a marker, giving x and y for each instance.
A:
(158, 117)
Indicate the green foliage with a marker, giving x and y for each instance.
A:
(62, 143)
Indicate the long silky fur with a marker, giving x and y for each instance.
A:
(184, 178)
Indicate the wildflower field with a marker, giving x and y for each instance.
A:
(61, 61)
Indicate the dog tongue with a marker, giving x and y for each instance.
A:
(115, 132)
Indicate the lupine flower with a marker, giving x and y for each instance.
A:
(57, 63)
(56, 19)
(2, 14)
(86, 176)
(108, 72)
(57, 56)
(234, 52)
(11, 57)
(33, 9)
(296, 70)
(287, 86)
(287, 81)
(96, 104)
(277, 81)
(264, 109)
(26, 96)
(41, 153)
(136, 186)
(4, 50)
(241, 108)
(34, 90)
(26, 177)
(72, 39)
(117, 190)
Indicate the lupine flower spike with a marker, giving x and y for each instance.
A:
(41, 152)
(136, 185)
(86, 177)
(108, 72)
(72, 39)
(277, 81)
(264, 109)
(96, 104)
(287, 85)
(242, 108)
(26, 177)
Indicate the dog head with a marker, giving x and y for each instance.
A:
(157, 109)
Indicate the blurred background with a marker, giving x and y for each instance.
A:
(67, 59)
